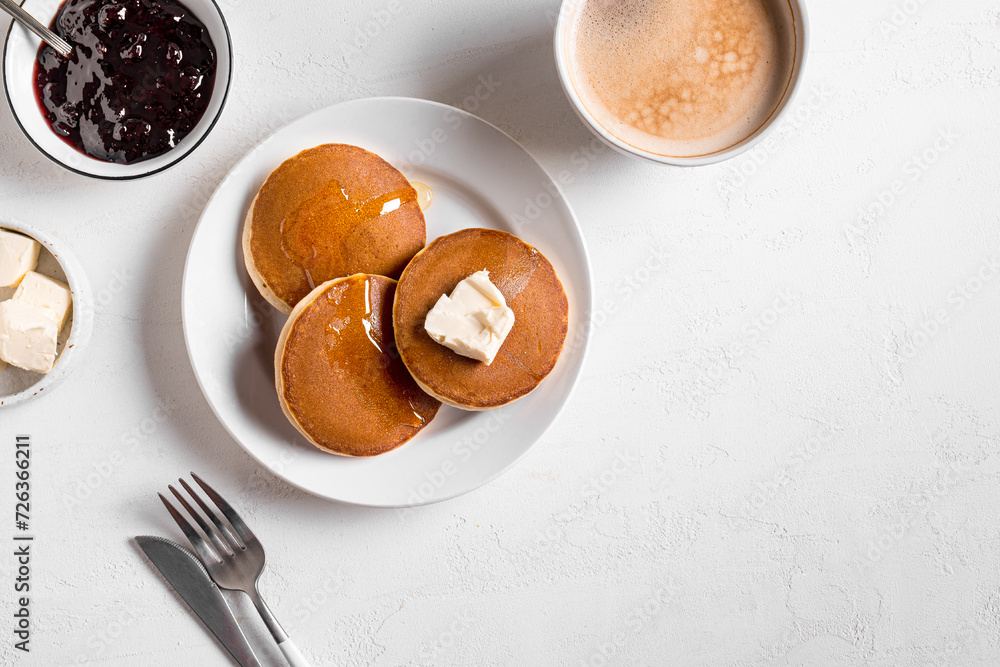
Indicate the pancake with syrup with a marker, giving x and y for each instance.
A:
(328, 212)
(339, 378)
(532, 290)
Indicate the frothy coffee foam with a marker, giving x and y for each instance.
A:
(681, 77)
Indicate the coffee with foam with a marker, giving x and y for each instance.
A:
(682, 78)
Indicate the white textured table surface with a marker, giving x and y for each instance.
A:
(777, 455)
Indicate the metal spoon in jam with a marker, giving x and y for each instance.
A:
(31, 23)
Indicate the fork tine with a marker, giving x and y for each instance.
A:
(241, 528)
(220, 548)
(223, 528)
(199, 544)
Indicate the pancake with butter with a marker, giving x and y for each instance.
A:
(339, 378)
(328, 212)
(531, 289)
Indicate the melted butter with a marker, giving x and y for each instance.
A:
(424, 194)
(314, 234)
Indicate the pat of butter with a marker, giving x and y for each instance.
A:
(28, 336)
(474, 321)
(18, 255)
(43, 292)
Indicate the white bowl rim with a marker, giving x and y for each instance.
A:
(83, 312)
(126, 177)
(567, 11)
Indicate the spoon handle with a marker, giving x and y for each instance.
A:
(32, 24)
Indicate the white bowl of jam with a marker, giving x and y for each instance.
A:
(145, 86)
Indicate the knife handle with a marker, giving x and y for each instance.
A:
(293, 654)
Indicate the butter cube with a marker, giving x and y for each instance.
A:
(18, 255)
(43, 292)
(28, 336)
(474, 321)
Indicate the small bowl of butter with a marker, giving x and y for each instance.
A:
(46, 315)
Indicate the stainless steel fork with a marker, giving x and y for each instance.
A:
(235, 564)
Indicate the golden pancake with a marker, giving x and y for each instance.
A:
(339, 378)
(532, 290)
(328, 212)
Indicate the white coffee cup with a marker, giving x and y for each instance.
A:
(563, 53)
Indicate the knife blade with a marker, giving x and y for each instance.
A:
(186, 575)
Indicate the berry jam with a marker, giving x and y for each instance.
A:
(139, 80)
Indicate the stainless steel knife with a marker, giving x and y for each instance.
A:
(185, 573)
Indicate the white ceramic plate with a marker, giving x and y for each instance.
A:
(481, 178)
(20, 51)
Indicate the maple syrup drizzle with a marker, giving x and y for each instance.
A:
(356, 344)
(314, 234)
